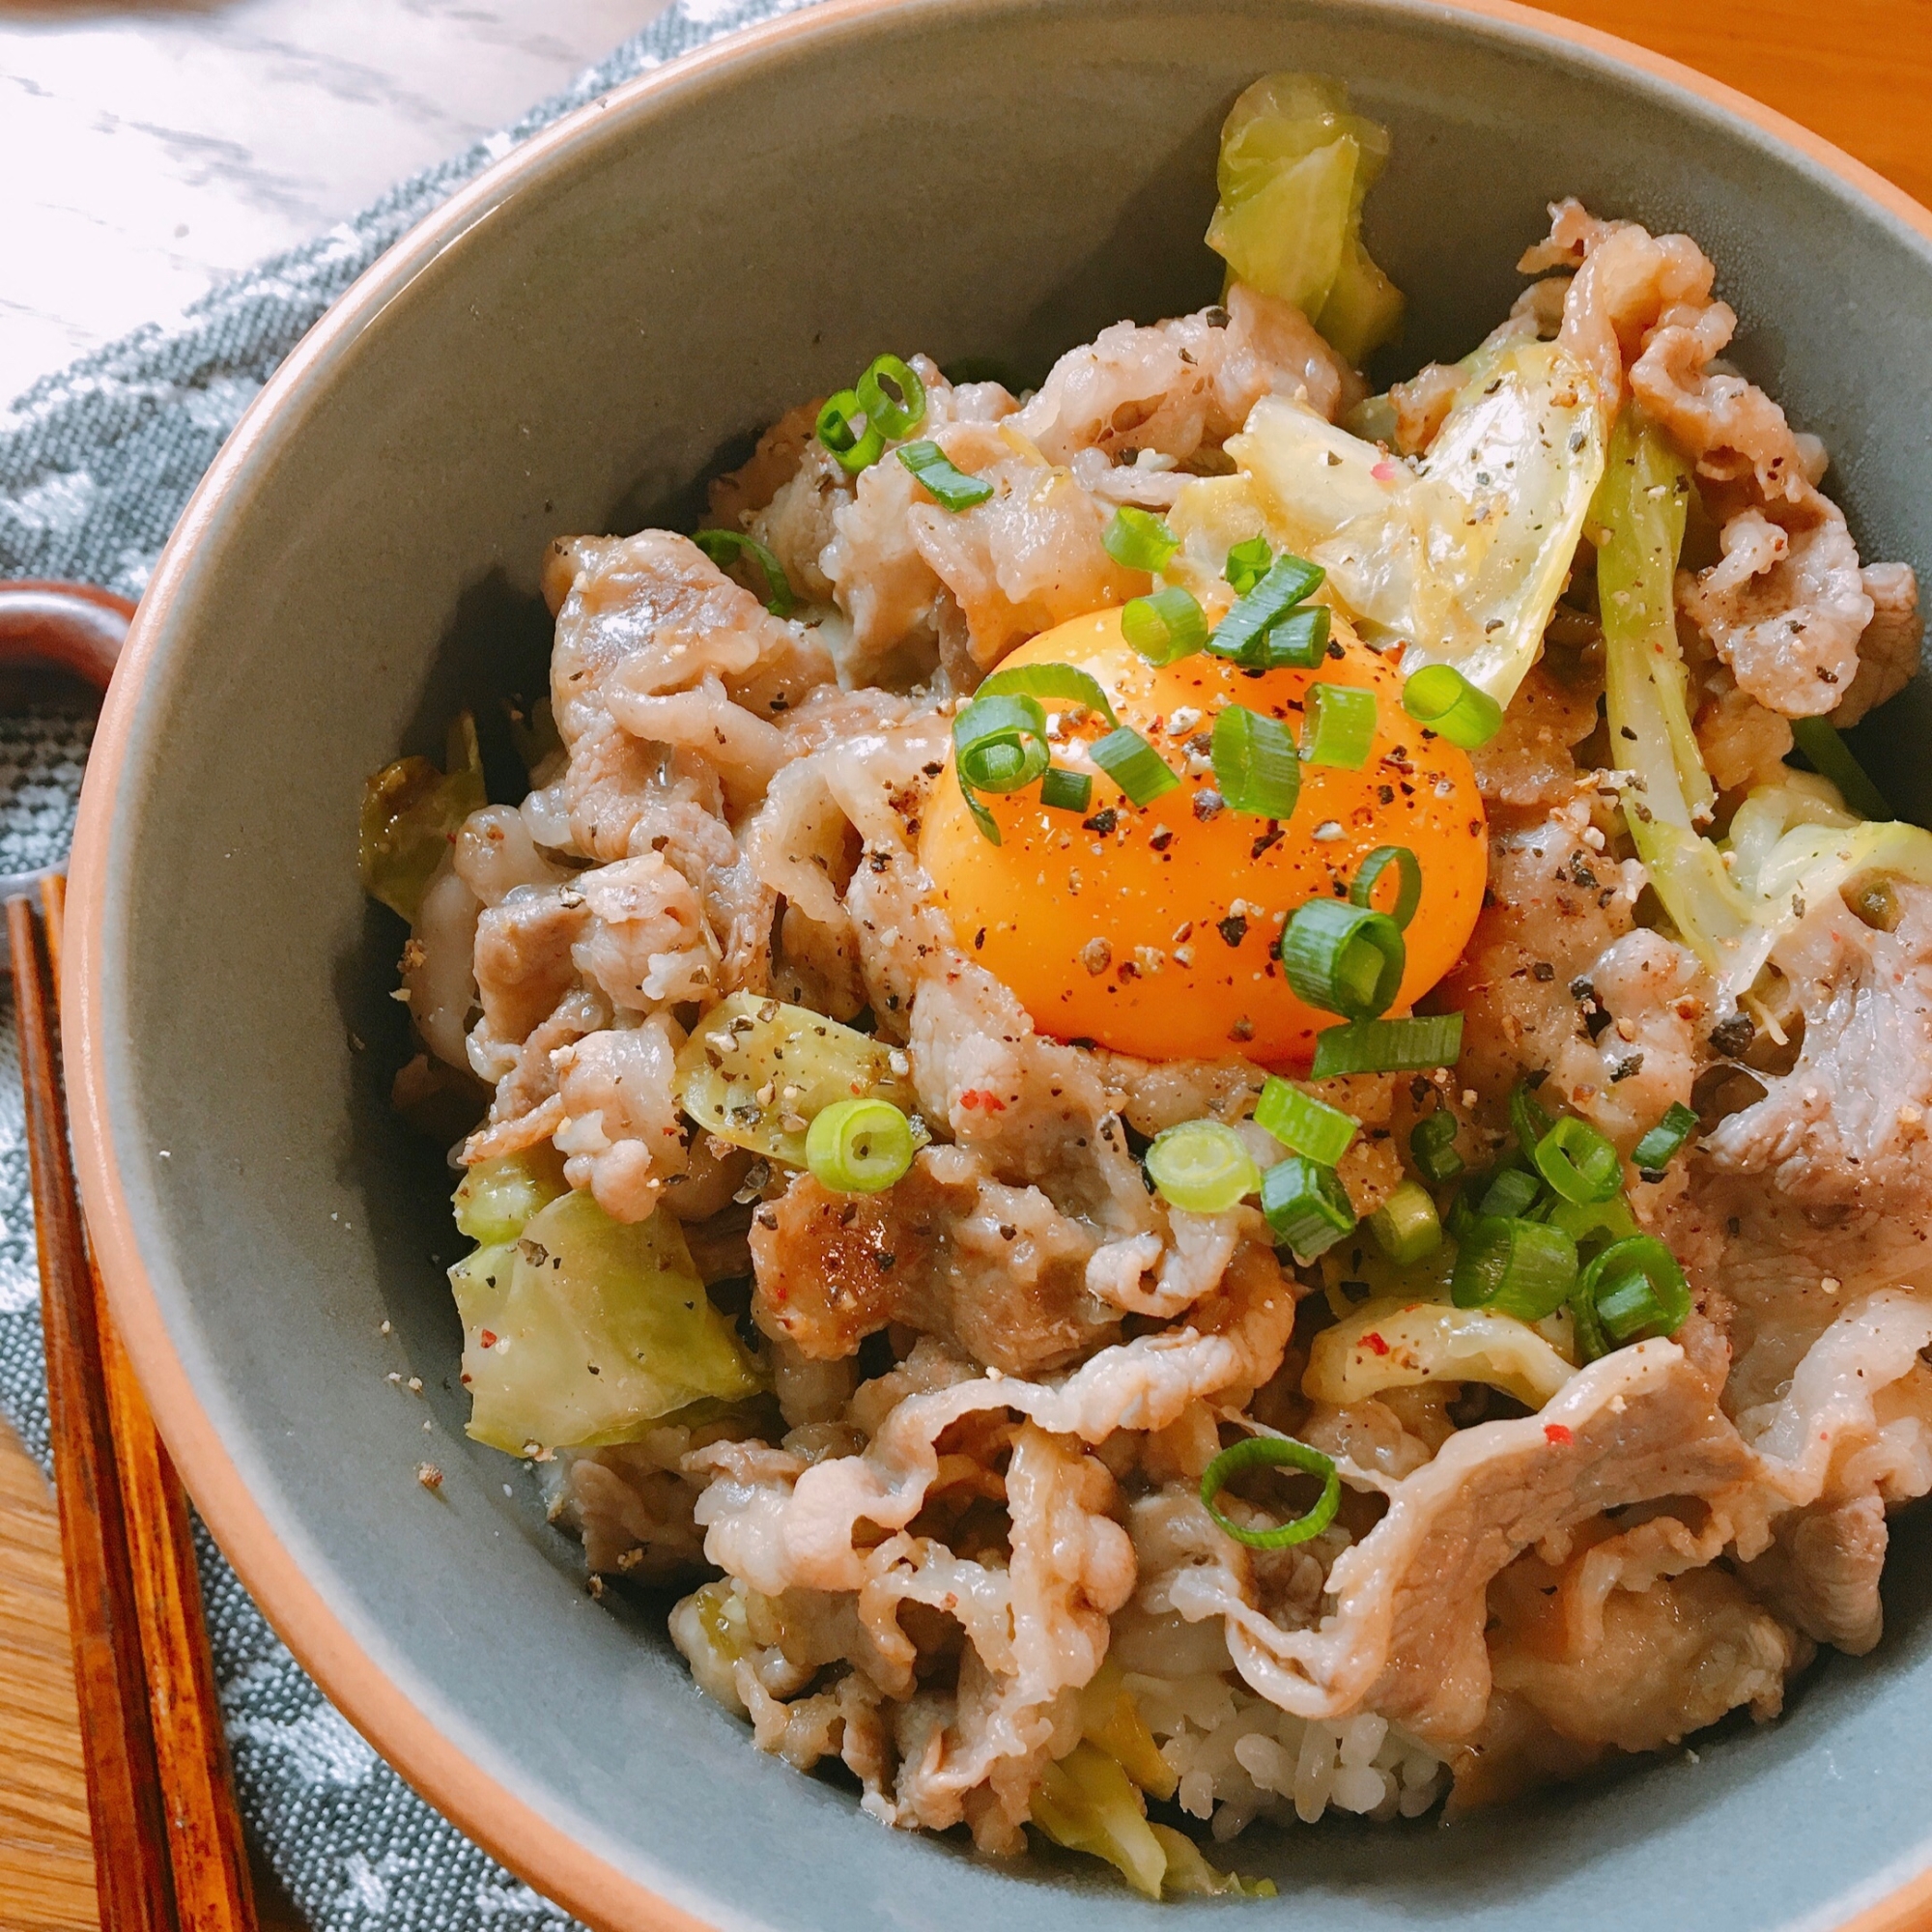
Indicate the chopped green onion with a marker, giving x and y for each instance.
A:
(1302, 1124)
(1388, 1046)
(1139, 540)
(1202, 1167)
(1164, 626)
(1431, 1145)
(1406, 1226)
(1241, 635)
(1050, 680)
(1442, 699)
(838, 430)
(1248, 563)
(1579, 1162)
(892, 397)
(1409, 881)
(1528, 1118)
(951, 488)
(858, 1146)
(1306, 1205)
(1510, 1192)
(725, 548)
(1341, 726)
(1830, 756)
(1632, 1289)
(1256, 768)
(1299, 642)
(1064, 791)
(999, 742)
(1133, 764)
(1584, 1220)
(1280, 1451)
(1343, 959)
(1514, 1267)
(1664, 1141)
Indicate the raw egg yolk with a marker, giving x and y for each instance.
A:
(1152, 929)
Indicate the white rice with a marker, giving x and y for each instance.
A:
(1239, 1758)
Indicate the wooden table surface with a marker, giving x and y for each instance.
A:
(1857, 72)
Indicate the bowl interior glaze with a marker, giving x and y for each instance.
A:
(606, 322)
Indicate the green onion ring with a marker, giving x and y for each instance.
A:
(1388, 1046)
(1133, 764)
(1578, 1163)
(1407, 1227)
(1302, 1124)
(1202, 1167)
(1431, 1145)
(838, 431)
(1248, 563)
(1634, 1289)
(1066, 791)
(1514, 1266)
(1279, 1451)
(1164, 626)
(1139, 540)
(1000, 742)
(1306, 1205)
(951, 489)
(1050, 680)
(1256, 766)
(894, 420)
(858, 1146)
(1341, 726)
(1408, 882)
(1666, 1141)
(726, 547)
(1441, 698)
(1343, 959)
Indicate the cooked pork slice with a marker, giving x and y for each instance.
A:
(1181, 385)
(1889, 649)
(1744, 742)
(620, 1129)
(1668, 1661)
(1527, 764)
(995, 1272)
(643, 620)
(1554, 902)
(1846, 1126)
(524, 967)
(1786, 606)
(1822, 1572)
(1406, 1636)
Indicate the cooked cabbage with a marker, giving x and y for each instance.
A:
(756, 1070)
(1296, 167)
(1088, 1803)
(1790, 844)
(584, 1330)
(1397, 1345)
(495, 1197)
(1459, 559)
(410, 811)
(1111, 1721)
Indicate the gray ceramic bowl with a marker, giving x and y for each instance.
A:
(567, 347)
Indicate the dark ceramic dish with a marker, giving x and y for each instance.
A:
(567, 347)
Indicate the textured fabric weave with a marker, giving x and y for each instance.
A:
(95, 464)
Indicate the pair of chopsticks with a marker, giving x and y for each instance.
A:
(168, 1837)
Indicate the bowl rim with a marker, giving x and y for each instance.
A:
(380, 1706)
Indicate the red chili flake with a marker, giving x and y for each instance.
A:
(982, 1097)
(488, 1339)
(1556, 1432)
(1375, 1344)
(1384, 471)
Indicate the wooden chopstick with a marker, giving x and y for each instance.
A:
(168, 1847)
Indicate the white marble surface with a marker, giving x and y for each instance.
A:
(148, 150)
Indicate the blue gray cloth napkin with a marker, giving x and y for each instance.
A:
(95, 464)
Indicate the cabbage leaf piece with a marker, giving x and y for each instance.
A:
(1088, 1803)
(410, 811)
(756, 1070)
(1398, 1344)
(496, 1198)
(1791, 843)
(1459, 559)
(1296, 167)
(583, 1330)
